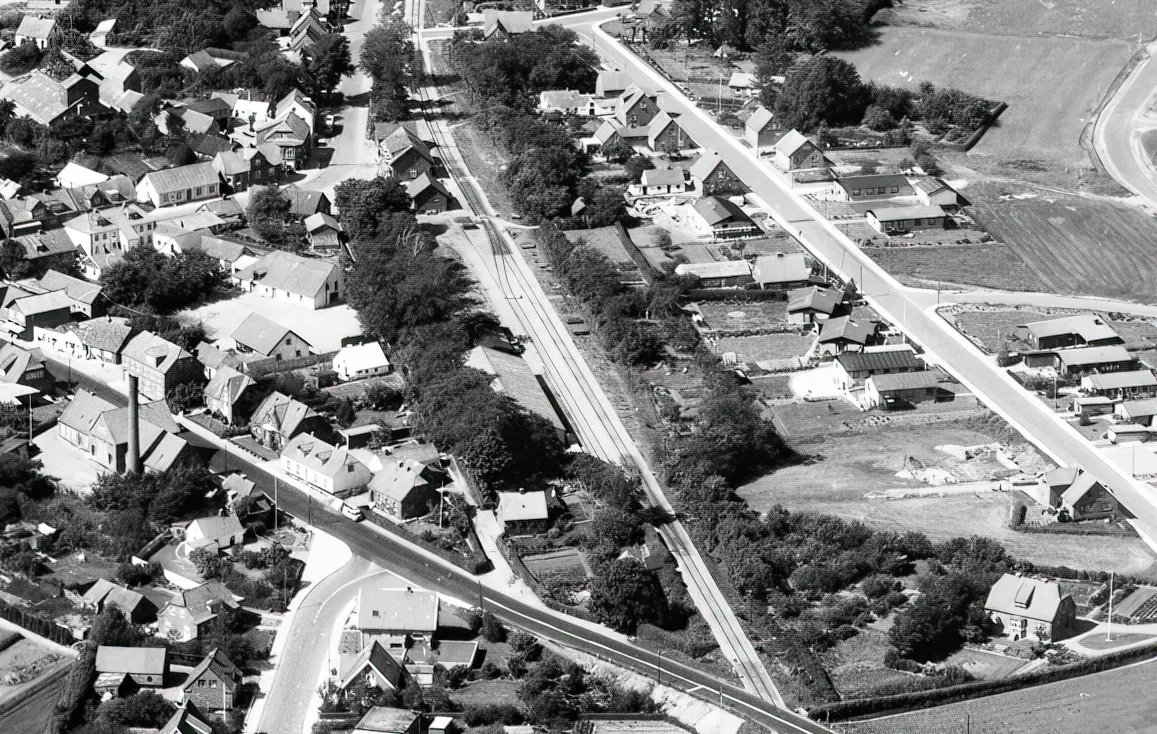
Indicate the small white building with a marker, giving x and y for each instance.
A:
(360, 361)
(262, 336)
(331, 469)
(663, 182)
(179, 185)
(284, 276)
(222, 530)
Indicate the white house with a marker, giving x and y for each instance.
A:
(179, 185)
(222, 530)
(259, 335)
(284, 276)
(332, 469)
(361, 360)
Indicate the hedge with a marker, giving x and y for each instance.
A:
(938, 697)
(36, 624)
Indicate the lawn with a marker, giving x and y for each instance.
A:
(743, 316)
(993, 328)
(488, 692)
(1118, 700)
(1057, 84)
(991, 265)
(763, 348)
(986, 665)
(1078, 246)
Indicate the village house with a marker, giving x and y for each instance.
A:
(257, 335)
(906, 218)
(101, 431)
(23, 367)
(722, 218)
(812, 305)
(39, 97)
(360, 361)
(902, 390)
(278, 418)
(1140, 412)
(725, 274)
(240, 169)
(566, 102)
(284, 276)
(105, 594)
(330, 468)
(45, 310)
(189, 614)
(1084, 360)
(759, 131)
(743, 84)
(36, 30)
(225, 393)
(663, 182)
(636, 108)
(143, 667)
(855, 367)
(405, 488)
(429, 196)
(934, 192)
(100, 339)
(324, 232)
(215, 533)
(179, 185)
(1080, 495)
(213, 684)
(374, 666)
(610, 84)
(406, 155)
(1081, 330)
(664, 135)
(611, 130)
(1121, 385)
(398, 615)
(83, 297)
(523, 512)
(506, 23)
(159, 364)
(874, 187)
(845, 334)
(385, 720)
(794, 152)
(291, 134)
(781, 271)
(713, 176)
(48, 249)
(1022, 607)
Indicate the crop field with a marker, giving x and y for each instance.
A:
(1057, 84)
(1118, 700)
(1086, 18)
(1078, 246)
(990, 265)
(565, 562)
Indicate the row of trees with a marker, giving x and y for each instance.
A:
(512, 71)
(796, 25)
(389, 58)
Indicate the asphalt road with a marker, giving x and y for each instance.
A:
(62, 372)
(976, 371)
(1113, 134)
(306, 650)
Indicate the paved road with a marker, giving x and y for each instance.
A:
(306, 651)
(1115, 135)
(428, 570)
(979, 373)
(588, 409)
(63, 373)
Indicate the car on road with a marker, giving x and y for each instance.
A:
(353, 513)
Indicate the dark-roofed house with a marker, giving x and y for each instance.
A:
(398, 612)
(1081, 330)
(665, 135)
(146, 666)
(781, 271)
(47, 249)
(83, 295)
(794, 152)
(812, 305)
(46, 100)
(386, 720)
(104, 338)
(259, 335)
(44, 310)
(1080, 495)
(159, 364)
(188, 615)
(855, 367)
(304, 202)
(279, 418)
(902, 390)
(845, 334)
(293, 136)
(405, 488)
(407, 155)
(225, 393)
(505, 23)
(874, 187)
(324, 232)
(523, 513)
(101, 431)
(760, 133)
(636, 108)
(213, 684)
(1121, 385)
(208, 147)
(429, 196)
(23, 367)
(713, 176)
(722, 218)
(513, 377)
(105, 594)
(1023, 607)
(906, 218)
(180, 185)
(284, 276)
(374, 666)
(1140, 412)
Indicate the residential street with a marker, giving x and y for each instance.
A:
(1115, 136)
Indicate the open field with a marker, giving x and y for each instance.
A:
(990, 265)
(1122, 19)
(993, 328)
(1117, 700)
(1078, 246)
(1057, 85)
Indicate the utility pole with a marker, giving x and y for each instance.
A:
(275, 510)
(660, 667)
(1109, 629)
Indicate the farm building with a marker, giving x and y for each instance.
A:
(1121, 385)
(1023, 607)
(144, 666)
(794, 152)
(904, 389)
(812, 305)
(1082, 330)
(1084, 360)
(874, 187)
(759, 131)
(855, 367)
(781, 271)
(906, 218)
(934, 192)
(663, 182)
(726, 274)
(845, 334)
(722, 219)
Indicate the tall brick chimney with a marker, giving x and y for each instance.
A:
(134, 458)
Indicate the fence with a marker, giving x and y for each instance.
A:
(476, 563)
(36, 624)
(646, 269)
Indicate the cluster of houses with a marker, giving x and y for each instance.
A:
(302, 23)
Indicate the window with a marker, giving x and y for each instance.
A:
(350, 469)
(855, 192)
(288, 342)
(198, 191)
(376, 613)
(413, 173)
(212, 684)
(201, 683)
(881, 190)
(895, 189)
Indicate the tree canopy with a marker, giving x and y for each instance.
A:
(145, 277)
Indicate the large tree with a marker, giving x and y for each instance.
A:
(388, 58)
(362, 203)
(325, 62)
(624, 595)
(825, 90)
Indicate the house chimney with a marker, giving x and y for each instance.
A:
(134, 460)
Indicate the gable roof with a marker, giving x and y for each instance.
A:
(782, 267)
(154, 351)
(1022, 596)
(1139, 408)
(613, 82)
(890, 359)
(260, 334)
(363, 356)
(281, 412)
(874, 181)
(848, 329)
(902, 213)
(183, 177)
(315, 222)
(905, 381)
(221, 667)
(403, 140)
(217, 527)
(814, 298)
(398, 609)
(510, 21)
(84, 411)
(398, 478)
(1093, 355)
(1082, 485)
(760, 119)
(1117, 380)
(722, 269)
(42, 97)
(376, 657)
(325, 459)
(35, 27)
(418, 187)
(663, 177)
(39, 303)
(202, 61)
(706, 165)
(187, 720)
(291, 273)
(1089, 327)
(514, 377)
(134, 660)
(78, 290)
(227, 385)
(202, 600)
(514, 506)
(717, 210)
(386, 720)
(14, 362)
(792, 141)
(106, 592)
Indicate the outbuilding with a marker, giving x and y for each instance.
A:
(906, 218)
(902, 390)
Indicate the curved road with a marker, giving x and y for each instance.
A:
(1116, 131)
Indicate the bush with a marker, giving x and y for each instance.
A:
(20, 60)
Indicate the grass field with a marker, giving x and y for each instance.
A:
(1056, 86)
(1122, 19)
(985, 665)
(990, 266)
(1118, 700)
(767, 347)
(732, 316)
(993, 328)
(1078, 246)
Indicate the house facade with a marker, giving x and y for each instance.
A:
(159, 365)
(1022, 607)
(179, 185)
